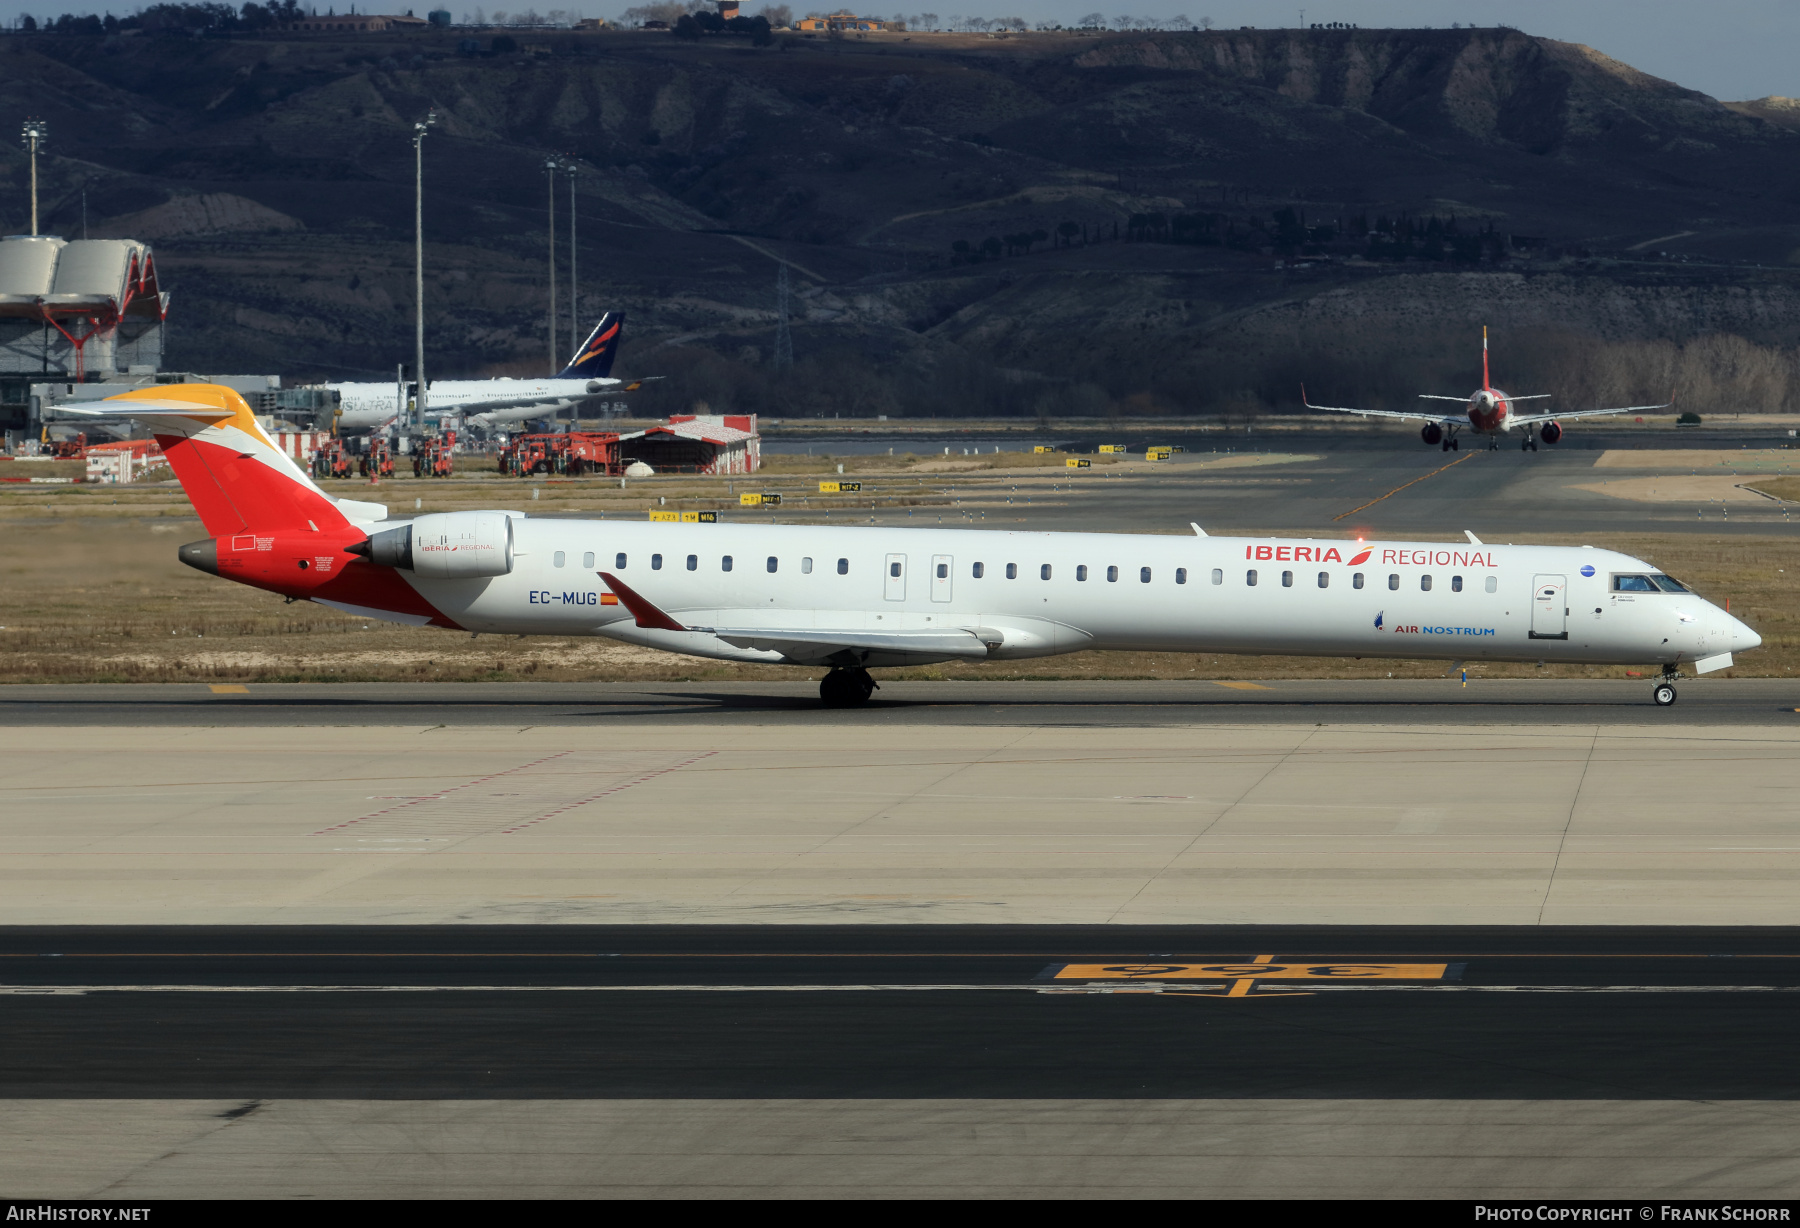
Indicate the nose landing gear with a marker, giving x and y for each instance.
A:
(1664, 694)
(846, 688)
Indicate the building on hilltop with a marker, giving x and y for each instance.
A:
(358, 23)
(846, 22)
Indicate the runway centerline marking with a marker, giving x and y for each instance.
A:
(1372, 502)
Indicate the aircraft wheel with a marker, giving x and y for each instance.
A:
(846, 688)
(1454, 447)
(1664, 694)
(1445, 446)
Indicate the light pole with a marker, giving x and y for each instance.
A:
(571, 168)
(419, 130)
(35, 135)
(550, 171)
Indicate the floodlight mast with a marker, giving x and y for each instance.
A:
(550, 167)
(572, 168)
(419, 130)
(35, 135)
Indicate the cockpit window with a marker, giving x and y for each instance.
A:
(1633, 584)
(1669, 585)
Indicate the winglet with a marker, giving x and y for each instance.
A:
(646, 614)
(1198, 531)
(1473, 540)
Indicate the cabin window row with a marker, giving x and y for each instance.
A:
(772, 564)
(1046, 571)
(979, 570)
(1357, 580)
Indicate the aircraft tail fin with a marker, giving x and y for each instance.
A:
(594, 360)
(1485, 382)
(235, 476)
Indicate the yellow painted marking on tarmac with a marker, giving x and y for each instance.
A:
(1241, 988)
(228, 688)
(1254, 686)
(1263, 968)
(1372, 502)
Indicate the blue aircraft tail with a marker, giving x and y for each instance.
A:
(594, 360)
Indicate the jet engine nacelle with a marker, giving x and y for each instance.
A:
(1431, 433)
(446, 546)
(1550, 432)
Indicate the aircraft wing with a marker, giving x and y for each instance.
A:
(817, 643)
(1533, 419)
(1386, 413)
(808, 643)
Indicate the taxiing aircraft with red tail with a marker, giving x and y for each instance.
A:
(1486, 411)
(848, 598)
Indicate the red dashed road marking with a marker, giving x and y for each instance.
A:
(647, 776)
(438, 796)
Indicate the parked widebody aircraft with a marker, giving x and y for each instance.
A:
(1487, 411)
(847, 599)
(493, 402)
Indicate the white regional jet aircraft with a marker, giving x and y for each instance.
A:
(846, 599)
(1487, 411)
(493, 402)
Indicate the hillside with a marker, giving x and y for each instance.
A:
(1430, 180)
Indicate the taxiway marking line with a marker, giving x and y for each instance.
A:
(1242, 988)
(228, 688)
(1243, 686)
(1372, 502)
(1312, 988)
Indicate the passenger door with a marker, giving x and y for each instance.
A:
(894, 578)
(1550, 608)
(942, 569)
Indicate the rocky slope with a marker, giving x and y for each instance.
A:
(276, 177)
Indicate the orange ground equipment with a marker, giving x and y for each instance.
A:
(65, 449)
(433, 456)
(331, 460)
(378, 461)
(571, 454)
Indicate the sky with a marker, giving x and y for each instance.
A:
(1731, 49)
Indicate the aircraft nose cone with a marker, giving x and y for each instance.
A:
(1742, 638)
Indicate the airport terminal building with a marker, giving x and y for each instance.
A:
(74, 312)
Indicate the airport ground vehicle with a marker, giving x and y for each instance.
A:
(572, 453)
(378, 460)
(332, 460)
(64, 449)
(846, 599)
(434, 456)
(1487, 411)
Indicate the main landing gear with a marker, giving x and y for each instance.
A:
(846, 688)
(1664, 694)
(1528, 444)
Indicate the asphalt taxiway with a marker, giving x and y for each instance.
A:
(1344, 487)
(1527, 703)
(929, 1061)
